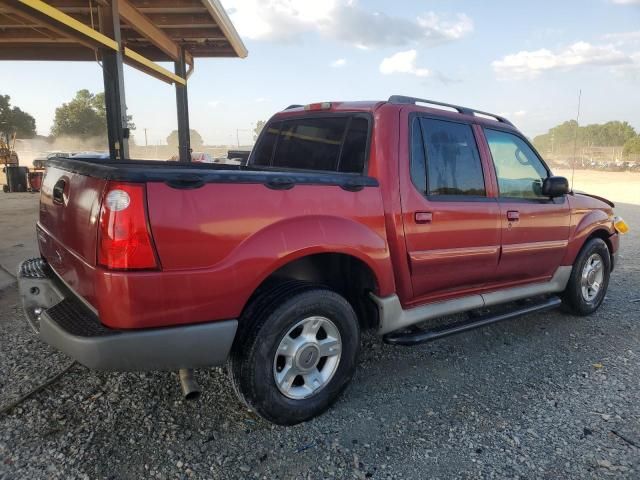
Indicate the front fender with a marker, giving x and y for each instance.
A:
(584, 224)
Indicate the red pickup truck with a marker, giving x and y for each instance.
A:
(347, 216)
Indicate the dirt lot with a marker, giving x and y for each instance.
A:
(621, 187)
(547, 396)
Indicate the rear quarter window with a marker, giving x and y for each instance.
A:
(336, 143)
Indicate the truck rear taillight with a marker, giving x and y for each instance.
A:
(124, 239)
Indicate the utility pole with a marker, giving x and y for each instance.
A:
(146, 144)
(238, 130)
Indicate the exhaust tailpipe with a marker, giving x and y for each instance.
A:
(190, 388)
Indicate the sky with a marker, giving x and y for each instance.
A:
(525, 60)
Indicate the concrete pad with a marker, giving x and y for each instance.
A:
(18, 216)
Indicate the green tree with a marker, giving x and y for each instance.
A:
(259, 126)
(13, 120)
(561, 137)
(196, 139)
(85, 116)
(616, 133)
(632, 146)
(101, 105)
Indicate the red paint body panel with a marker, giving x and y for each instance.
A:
(75, 271)
(218, 242)
(534, 235)
(458, 250)
(588, 215)
(83, 194)
(532, 246)
(383, 165)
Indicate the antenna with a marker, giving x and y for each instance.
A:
(575, 140)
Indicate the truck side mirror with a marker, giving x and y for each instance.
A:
(555, 187)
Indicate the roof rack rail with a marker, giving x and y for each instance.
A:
(401, 99)
(293, 106)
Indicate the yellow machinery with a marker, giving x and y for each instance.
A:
(16, 177)
(8, 155)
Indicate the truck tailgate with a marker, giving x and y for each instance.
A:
(67, 228)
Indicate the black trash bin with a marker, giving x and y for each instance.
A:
(17, 178)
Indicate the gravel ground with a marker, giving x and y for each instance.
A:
(547, 396)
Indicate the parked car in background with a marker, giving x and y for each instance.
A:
(202, 157)
(348, 216)
(59, 155)
(92, 155)
(238, 156)
(197, 157)
(40, 161)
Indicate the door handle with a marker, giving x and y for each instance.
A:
(58, 191)
(423, 217)
(280, 183)
(513, 215)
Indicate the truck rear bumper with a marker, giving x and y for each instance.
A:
(63, 321)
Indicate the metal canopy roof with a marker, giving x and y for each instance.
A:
(136, 32)
(154, 29)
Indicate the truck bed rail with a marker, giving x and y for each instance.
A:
(190, 175)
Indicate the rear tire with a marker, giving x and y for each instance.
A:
(589, 279)
(295, 352)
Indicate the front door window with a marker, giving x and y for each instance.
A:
(519, 170)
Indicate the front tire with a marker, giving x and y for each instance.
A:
(296, 351)
(589, 279)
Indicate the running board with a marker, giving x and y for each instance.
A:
(423, 336)
(393, 316)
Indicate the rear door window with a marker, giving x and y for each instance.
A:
(337, 143)
(448, 154)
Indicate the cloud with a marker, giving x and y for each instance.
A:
(214, 103)
(626, 2)
(364, 29)
(622, 38)
(437, 29)
(403, 62)
(533, 63)
(277, 19)
(519, 113)
(261, 100)
(342, 20)
(631, 70)
(341, 62)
